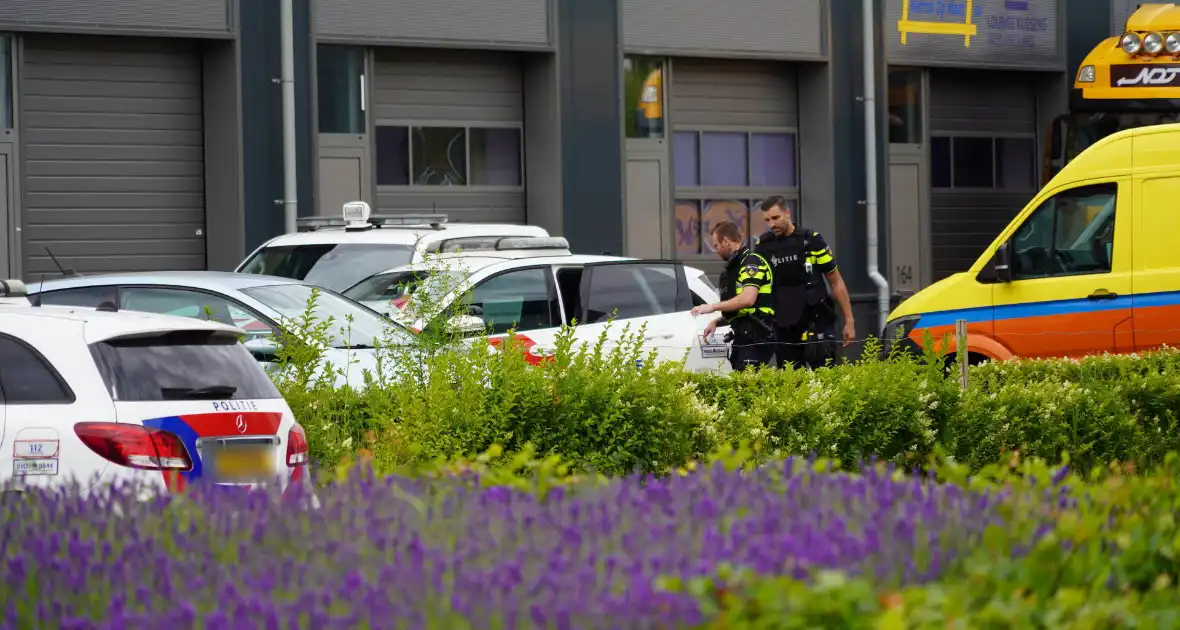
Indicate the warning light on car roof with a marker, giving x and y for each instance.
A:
(966, 28)
(356, 214)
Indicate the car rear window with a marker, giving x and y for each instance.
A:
(332, 266)
(182, 365)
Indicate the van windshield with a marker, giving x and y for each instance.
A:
(182, 365)
(334, 266)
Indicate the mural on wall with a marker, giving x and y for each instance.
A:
(693, 225)
(981, 31)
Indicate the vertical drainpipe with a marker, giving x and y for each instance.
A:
(290, 177)
(870, 99)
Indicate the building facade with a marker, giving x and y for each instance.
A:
(142, 134)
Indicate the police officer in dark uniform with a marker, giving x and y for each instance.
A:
(805, 317)
(746, 304)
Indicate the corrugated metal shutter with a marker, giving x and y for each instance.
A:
(450, 88)
(725, 93)
(977, 103)
(722, 95)
(114, 154)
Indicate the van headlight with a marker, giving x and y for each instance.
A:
(897, 330)
(1086, 74)
(1130, 43)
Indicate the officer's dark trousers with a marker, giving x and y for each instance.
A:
(744, 354)
(794, 351)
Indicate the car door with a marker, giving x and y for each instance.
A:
(1070, 288)
(524, 299)
(625, 295)
(1157, 262)
(39, 447)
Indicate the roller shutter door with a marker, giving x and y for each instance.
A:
(469, 101)
(114, 158)
(983, 160)
(726, 114)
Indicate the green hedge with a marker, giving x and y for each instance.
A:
(615, 410)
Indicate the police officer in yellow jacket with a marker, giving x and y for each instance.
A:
(746, 304)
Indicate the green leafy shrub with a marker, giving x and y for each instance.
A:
(612, 408)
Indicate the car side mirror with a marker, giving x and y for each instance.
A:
(466, 325)
(1002, 263)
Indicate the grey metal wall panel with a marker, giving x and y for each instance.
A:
(1010, 33)
(1120, 10)
(982, 101)
(433, 87)
(474, 22)
(447, 85)
(965, 223)
(729, 93)
(114, 154)
(161, 15)
(754, 28)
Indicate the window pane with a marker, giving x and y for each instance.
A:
(1032, 243)
(688, 227)
(440, 156)
(723, 159)
(88, 297)
(973, 162)
(495, 157)
(905, 113)
(643, 92)
(684, 159)
(338, 80)
(393, 156)
(1084, 234)
(940, 162)
(772, 157)
(25, 378)
(623, 287)
(335, 267)
(719, 210)
(194, 304)
(5, 82)
(156, 369)
(517, 299)
(1014, 160)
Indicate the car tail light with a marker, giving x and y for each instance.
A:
(135, 446)
(296, 447)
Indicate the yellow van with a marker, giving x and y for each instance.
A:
(1091, 265)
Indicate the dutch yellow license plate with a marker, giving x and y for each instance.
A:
(244, 464)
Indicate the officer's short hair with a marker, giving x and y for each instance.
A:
(770, 202)
(727, 230)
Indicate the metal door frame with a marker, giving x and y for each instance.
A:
(916, 154)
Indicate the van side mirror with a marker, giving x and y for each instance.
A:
(1002, 263)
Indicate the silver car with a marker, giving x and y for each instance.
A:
(260, 305)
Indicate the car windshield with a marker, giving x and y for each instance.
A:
(365, 329)
(397, 288)
(332, 266)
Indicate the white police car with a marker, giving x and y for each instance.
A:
(538, 294)
(105, 397)
(337, 252)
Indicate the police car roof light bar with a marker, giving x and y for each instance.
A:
(357, 215)
(499, 243)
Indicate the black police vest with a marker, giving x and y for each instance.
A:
(797, 292)
(729, 289)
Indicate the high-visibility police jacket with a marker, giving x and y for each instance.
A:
(747, 269)
(799, 260)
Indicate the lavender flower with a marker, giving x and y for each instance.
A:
(441, 553)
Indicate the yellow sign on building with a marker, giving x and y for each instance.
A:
(966, 29)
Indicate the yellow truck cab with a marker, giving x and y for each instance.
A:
(1091, 265)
